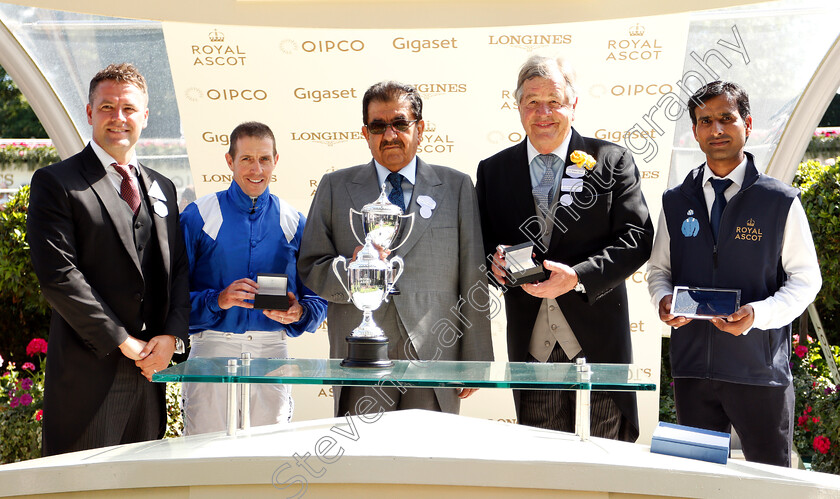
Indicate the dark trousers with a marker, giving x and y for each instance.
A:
(555, 409)
(133, 411)
(762, 415)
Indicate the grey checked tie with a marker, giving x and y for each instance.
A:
(542, 192)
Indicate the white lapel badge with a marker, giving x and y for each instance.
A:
(427, 204)
(156, 193)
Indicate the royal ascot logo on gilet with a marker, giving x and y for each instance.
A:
(416, 46)
(429, 90)
(634, 47)
(289, 46)
(227, 94)
(529, 41)
(216, 52)
(434, 141)
(748, 232)
(324, 94)
(327, 138)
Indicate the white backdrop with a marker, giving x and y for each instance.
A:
(307, 85)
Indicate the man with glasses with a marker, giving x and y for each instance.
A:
(590, 228)
(441, 311)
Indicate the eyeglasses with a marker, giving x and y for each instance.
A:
(400, 125)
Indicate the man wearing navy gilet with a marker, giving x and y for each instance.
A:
(729, 226)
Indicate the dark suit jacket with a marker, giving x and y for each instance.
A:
(82, 248)
(605, 235)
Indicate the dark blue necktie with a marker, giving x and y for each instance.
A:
(396, 194)
(719, 185)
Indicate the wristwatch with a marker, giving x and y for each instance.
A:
(579, 287)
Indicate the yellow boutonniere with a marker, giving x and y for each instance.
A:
(583, 160)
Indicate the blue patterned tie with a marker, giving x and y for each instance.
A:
(542, 192)
(396, 194)
(719, 185)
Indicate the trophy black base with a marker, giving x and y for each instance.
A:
(369, 353)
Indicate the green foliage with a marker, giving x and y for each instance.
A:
(820, 185)
(17, 119)
(174, 415)
(21, 155)
(816, 431)
(26, 313)
(21, 407)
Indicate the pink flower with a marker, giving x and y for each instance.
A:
(14, 403)
(29, 366)
(801, 420)
(25, 399)
(801, 351)
(26, 383)
(39, 414)
(815, 419)
(36, 346)
(822, 444)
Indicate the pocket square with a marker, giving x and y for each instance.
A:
(156, 192)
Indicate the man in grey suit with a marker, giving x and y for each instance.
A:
(442, 310)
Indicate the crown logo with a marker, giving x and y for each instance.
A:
(637, 30)
(216, 36)
(430, 126)
(750, 223)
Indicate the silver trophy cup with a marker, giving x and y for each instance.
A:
(384, 222)
(370, 279)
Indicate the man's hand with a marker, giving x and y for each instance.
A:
(293, 314)
(499, 264)
(466, 392)
(156, 355)
(561, 280)
(383, 253)
(741, 320)
(236, 294)
(665, 313)
(133, 348)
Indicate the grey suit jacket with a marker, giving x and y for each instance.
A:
(443, 264)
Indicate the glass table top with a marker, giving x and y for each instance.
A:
(451, 374)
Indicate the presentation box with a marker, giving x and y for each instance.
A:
(692, 443)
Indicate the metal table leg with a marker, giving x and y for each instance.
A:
(246, 392)
(582, 411)
(231, 399)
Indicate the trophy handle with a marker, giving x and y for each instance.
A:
(353, 225)
(399, 261)
(407, 232)
(340, 278)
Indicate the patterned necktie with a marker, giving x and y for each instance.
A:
(719, 185)
(396, 194)
(542, 192)
(128, 188)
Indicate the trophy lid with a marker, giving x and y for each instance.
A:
(382, 206)
(368, 257)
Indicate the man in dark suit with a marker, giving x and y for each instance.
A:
(442, 310)
(591, 230)
(115, 273)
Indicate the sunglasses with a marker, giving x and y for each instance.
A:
(400, 125)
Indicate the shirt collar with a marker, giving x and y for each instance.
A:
(562, 150)
(736, 175)
(107, 160)
(243, 201)
(408, 171)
